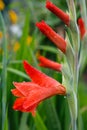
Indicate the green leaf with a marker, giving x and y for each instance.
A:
(4, 70)
(23, 51)
(17, 72)
(48, 48)
(51, 114)
(39, 122)
(6, 121)
(23, 123)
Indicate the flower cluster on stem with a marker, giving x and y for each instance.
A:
(30, 94)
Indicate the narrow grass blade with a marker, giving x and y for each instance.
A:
(23, 123)
(23, 47)
(48, 48)
(4, 70)
(52, 117)
(39, 122)
(6, 121)
(17, 72)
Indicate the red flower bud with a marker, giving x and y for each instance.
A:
(52, 35)
(58, 12)
(81, 27)
(44, 62)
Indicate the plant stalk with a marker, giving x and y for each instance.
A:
(4, 72)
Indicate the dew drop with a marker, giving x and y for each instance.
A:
(64, 96)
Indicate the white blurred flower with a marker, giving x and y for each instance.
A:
(16, 30)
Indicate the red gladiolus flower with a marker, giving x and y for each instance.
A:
(52, 35)
(44, 62)
(30, 94)
(58, 12)
(81, 27)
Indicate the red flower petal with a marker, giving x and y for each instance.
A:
(41, 94)
(39, 77)
(33, 94)
(26, 87)
(30, 102)
(58, 12)
(52, 35)
(81, 27)
(17, 93)
(44, 62)
(18, 105)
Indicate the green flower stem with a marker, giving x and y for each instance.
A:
(72, 82)
(72, 101)
(74, 126)
(4, 71)
(76, 42)
(76, 73)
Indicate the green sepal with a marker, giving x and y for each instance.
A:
(72, 10)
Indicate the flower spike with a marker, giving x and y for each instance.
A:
(30, 94)
(58, 12)
(82, 28)
(52, 35)
(44, 62)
